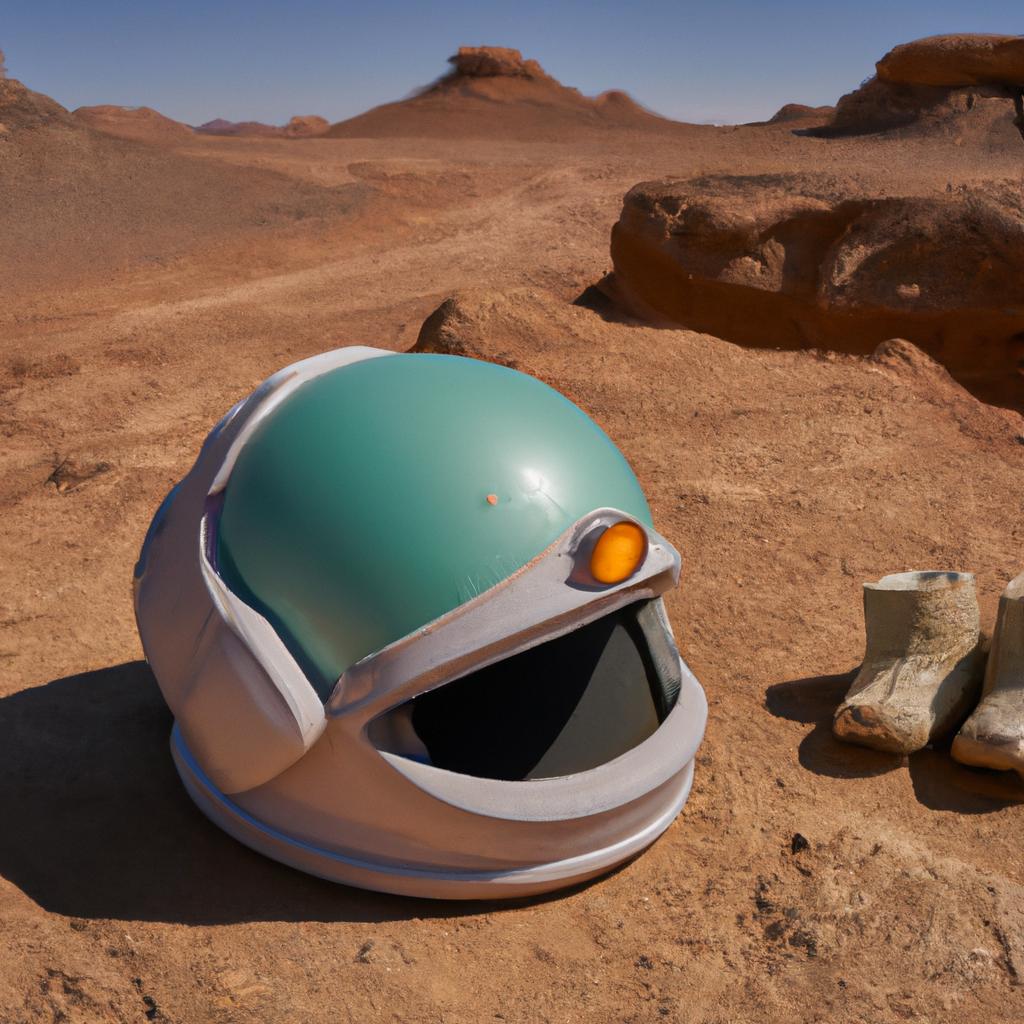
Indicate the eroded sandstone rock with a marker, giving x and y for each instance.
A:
(495, 62)
(304, 126)
(981, 112)
(953, 60)
(800, 261)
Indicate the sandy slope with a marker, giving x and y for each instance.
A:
(784, 478)
(140, 124)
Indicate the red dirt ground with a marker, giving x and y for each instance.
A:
(147, 287)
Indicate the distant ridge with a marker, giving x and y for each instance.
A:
(299, 127)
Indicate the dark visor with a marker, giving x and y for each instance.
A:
(562, 707)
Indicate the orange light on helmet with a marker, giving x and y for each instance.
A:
(618, 553)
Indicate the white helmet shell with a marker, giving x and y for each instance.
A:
(359, 785)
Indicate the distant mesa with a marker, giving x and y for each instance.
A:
(140, 124)
(493, 91)
(299, 127)
(801, 261)
(968, 85)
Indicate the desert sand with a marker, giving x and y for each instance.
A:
(149, 282)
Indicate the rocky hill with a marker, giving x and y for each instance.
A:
(492, 91)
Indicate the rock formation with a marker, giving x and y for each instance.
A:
(796, 261)
(494, 91)
(3, 68)
(142, 124)
(305, 126)
(969, 84)
(493, 62)
(956, 60)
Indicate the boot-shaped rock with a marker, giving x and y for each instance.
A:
(993, 737)
(923, 663)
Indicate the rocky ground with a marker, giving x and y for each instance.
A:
(149, 285)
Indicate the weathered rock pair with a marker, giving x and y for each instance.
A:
(925, 667)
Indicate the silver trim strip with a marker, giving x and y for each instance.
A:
(436, 883)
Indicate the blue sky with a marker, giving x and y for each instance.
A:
(723, 62)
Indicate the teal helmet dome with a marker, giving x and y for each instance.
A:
(407, 612)
(380, 496)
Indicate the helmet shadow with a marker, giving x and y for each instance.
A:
(96, 823)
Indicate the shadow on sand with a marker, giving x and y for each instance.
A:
(97, 824)
(939, 782)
